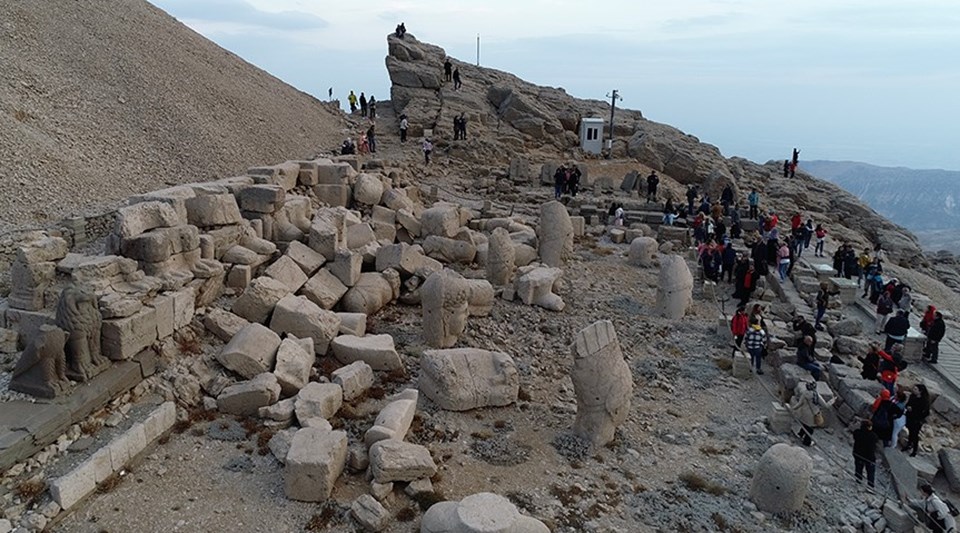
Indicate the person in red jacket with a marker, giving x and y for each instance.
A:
(928, 318)
(738, 325)
(889, 369)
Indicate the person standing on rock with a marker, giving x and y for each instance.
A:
(807, 233)
(753, 200)
(870, 364)
(796, 157)
(427, 148)
(726, 199)
(756, 340)
(447, 69)
(918, 409)
(653, 181)
(896, 330)
(884, 412)
(352, 99)
(559, 182)
(456, 79)
(783, 260)
(865, 452)
(404, 125)
(900, 422)
(372, 105)
(372, 137)
(363, 104)
(738, 326)
(931, 348)
(823, 302)
(807, 407)
(884, 308)
(691, 197)
(821, 234)
(573, 180)
(786, 168)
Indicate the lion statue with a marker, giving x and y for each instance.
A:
(79, 316)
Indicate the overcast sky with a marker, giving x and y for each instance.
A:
(874, 81)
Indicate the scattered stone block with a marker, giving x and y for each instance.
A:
(262, 198)
(372, 292)
(294, 362)
(950, 462)
(394, 460)
(260, 297)
(442, 219)
(378, 351)
(674, 288)
(368, 512)
(742, 367)
(899, 520)
(305, 257)
(346, 267)
(642, 250)
(239, 276)
(281, 411)
(314, 462)
(394, 420)
(296, 315)
(461, 379)
(280, 443)
(252, 351)
(247, 397)
(139, 218)
(948, 408)
(318, 400)
(122, 338)
(486, 512)
(354, 379)
(213, 210)
(286, 271)
(353, 324)
(224, 324)
(535, 287)
(324, 289)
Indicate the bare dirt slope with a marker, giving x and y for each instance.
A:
(103, 99)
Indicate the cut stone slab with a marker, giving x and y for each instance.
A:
(394, 460)
(305, 257)
(252, 351)
(378, 351)
(259, 298)
(368, 512)
(479, 513)
(461, 379)
(224, 324)
(314, 462)
(324, 289)
(139, 218)
(298, 316)
(286, 271)
(354, 379)
(346, 267)
(353, 324)
(246, 398)
(293, 365)
(318, 400)
(213, 210)
(950, 462)
(394, 420)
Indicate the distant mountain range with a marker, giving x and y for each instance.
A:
(926, 202)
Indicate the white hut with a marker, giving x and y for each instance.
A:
(591, 135)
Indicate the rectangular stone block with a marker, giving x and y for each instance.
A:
(240, 276)
(183, 307)
(334, 173)
(314, 462)
(147, 359)
(123, 338)
(333, 195)
(101, 465)
(69, 489)
(163, 314)
(579, 226)
(262, 198)
(160, 421)
(15, 445)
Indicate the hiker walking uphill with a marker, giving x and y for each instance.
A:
(456, 79)
(652, 182)
(404, 125)
(447, 70)
(427, 148)
(918, 409)
(363, 105)
(372, 107)
(756, 341)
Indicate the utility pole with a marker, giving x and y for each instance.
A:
(613, 106)
(478, 49)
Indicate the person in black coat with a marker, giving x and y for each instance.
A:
(896, 330)
(871, 364)
(918, 408)
(935, 333)
(865, 452)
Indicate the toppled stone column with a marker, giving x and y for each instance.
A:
(79, 315)
(555, 233)
(479, 513)
(444, 300)
(602, 382)
(674, 287)
(782, 479)
(641, 251)
(501, 258)
(41, 370)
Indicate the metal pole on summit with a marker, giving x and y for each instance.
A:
(478, 49)
(613, 106)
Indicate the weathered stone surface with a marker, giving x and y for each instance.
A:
(480, 299)
(346, 267)
(642, 250)
(353, 324)
(555, 233)
(449, 250)
(161, 244)
(850, 327)
(139, 218)
(368, 512)
(41, 370)
(441, 219)
(602, 382)
(948, 408)
(782, 479)
(305, 257)
(394, 420)
(368, 189)
(501, 258)
(252, 351)
(950, 462)
(372, 292)
(377, 351)
(479, 513)
(394, 460)
(314, 462)
(281, 411)
(286, 271)
(260, 297)
(444, 300)
(294, 361)
(296, 315)
(324, 289)
(674, 287)
(213, 210)
(468, 378)
(224, 324)
(328, 232)
(262, 198)
(354, 379)
(123, 338)
(247, 397)
(535, 286)
(318, 400)
(79, 317)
